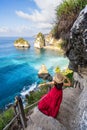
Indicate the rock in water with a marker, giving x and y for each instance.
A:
(21, 43)
(77, 51)
(43, 70)
(40, 41)
(43, 73)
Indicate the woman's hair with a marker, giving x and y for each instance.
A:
(58, 85)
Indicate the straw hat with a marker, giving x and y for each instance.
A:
(58, 78)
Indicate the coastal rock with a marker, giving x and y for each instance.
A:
(21, 43)
(77, 54)
(44, 74)
(40, 41)
(51, 41)
(77, 48)
(43, 70)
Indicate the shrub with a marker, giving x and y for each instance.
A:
(36, 95)
(66, 14)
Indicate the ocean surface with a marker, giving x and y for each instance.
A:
(19, 68)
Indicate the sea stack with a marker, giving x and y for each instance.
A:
(44, 74)
(40, 41)
(21, 43)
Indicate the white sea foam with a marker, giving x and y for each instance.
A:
(52, 63)
(30, 88)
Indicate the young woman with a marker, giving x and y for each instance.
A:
(49, 104)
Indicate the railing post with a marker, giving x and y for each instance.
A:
(21, 111)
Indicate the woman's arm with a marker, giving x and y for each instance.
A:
(48, 83)
(68, 82)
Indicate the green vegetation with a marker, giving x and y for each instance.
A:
(6, 117)
(21, 40)
(66, 14)
(36, 95)
(70, 6)
(41, 36)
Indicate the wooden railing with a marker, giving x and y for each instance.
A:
(19, 113)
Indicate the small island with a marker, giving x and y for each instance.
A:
(21, 43)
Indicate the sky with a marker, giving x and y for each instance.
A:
(27, 17)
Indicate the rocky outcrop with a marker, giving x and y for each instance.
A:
(50, 40)
(40, 41)
(77, 49)
(77, 54)
(44, 74)
(21, 43)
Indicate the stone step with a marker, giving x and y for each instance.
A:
(39, 121)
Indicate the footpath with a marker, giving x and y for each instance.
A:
(39, 121)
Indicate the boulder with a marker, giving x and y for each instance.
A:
(21, 43)
(43, 70)
(40, 41)
(44, 74)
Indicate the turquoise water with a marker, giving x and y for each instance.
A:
(19, 68)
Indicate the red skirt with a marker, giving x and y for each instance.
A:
(49, 104)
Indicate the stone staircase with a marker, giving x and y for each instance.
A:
(39, 121)
(66, 112)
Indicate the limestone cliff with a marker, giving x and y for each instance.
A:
(51, 41)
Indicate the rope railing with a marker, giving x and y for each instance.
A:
(31, 105)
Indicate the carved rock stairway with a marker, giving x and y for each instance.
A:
(39, 121)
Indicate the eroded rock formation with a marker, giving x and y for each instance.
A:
(40, 41)
(44, 74)
(21, 43)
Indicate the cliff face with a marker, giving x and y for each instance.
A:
(77, 49)
(50, 40)
(77, 54)
(73, 110)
